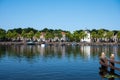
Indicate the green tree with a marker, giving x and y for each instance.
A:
(76, 36)
(24, 34)
(101, 34)
(49, 36)
(18, 30)
(82, 35)
(69, 36)
(12, 35)
(30, 35)
(94, 36)
(118, 36)
(59, 34)
(45, 30)
(27, 30)
(37, 34)
(9, 35)
(109, 35)
(2, 34)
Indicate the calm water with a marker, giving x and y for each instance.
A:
(53, 62)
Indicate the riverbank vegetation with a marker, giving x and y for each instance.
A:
(51, 35)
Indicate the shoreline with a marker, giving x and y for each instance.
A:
(61, 43)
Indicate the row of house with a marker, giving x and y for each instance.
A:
(56, 38)
(64, 38)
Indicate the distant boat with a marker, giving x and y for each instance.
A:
(74, 44)
(42, 45)
(30, 43)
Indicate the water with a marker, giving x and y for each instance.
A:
(33, 62)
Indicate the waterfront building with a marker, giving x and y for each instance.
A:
(86, 38)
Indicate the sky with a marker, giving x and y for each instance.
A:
(68, 15)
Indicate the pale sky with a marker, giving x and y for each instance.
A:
(60, 14)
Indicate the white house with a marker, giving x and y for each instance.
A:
(87, 38)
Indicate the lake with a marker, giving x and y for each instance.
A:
(35, 62)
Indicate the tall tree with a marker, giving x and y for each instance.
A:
(2, 34)
(24, 34)
(69, 36)
(15, 34)
(12, 35)
(30, 35)
(118, 36)
(27, 30)
(18, 30)
(76, 36)
(9, 35)
(94, 36)
(109, 35)
(101, 34)
(49, 36)
(82, 35)
(37, 34)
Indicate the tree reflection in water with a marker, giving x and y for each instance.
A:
(30, 52)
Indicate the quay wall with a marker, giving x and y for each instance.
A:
(58, 43)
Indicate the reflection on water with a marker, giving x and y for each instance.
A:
(32, 51)
(70, 62)
(86, 51)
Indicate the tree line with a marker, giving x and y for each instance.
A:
(18, 34)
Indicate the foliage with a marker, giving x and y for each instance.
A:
(2, 33)
(101, 33)
(69, 36)
(109, 34)
(82, 35)
(118, 35)
(30, 34)
(37, 34)
(9, 35)
(57, 33)
(24, 34)
(18, 30)
(15, 34)
(77, 35)
(94, 36)
(49, 35)
(12, 35)
(27, 30)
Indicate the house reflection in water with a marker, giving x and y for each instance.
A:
(41, 50)
(51, 51)
(85, 50)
